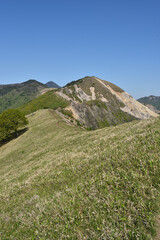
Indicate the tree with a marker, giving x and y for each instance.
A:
(10, 121)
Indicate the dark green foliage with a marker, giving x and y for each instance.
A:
(49, 100)
(67, 112)
(10, 121)
(78, 123)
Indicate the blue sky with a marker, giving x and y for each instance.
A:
(64, 40)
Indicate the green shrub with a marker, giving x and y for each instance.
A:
(10, 121)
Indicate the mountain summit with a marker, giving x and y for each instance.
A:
(96, 103)
(52, 84)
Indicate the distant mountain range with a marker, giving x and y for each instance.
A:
(15, 95)
(152, 102)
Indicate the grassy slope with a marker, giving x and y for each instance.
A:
(48, 100)
(13, 96)
(60, 182)
(14, 99)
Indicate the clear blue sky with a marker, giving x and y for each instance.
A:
(64, 40)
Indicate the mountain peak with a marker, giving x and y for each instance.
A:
(33, 81)
(97, 103)
(52, 84)
(90, 81)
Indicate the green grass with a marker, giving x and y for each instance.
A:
(49, 100)
(61, 182)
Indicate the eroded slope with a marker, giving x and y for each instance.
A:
(97, 103)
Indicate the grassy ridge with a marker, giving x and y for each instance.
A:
(48, 100)
(60, 182)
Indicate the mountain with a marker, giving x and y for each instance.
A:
(96, 103)
(58, 181)
(52, 84)
(154, 109)
(48, 100)
(152, 100)
(15, 95)
(89, 102)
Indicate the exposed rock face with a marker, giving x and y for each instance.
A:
(152, 108)
(132, 106)
(97, 103)
(89, 116)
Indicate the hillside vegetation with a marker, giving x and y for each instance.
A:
(10, 121)
(48, 100)
(90, 102)
(15, 95)
(153, 100)
(61, 182)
